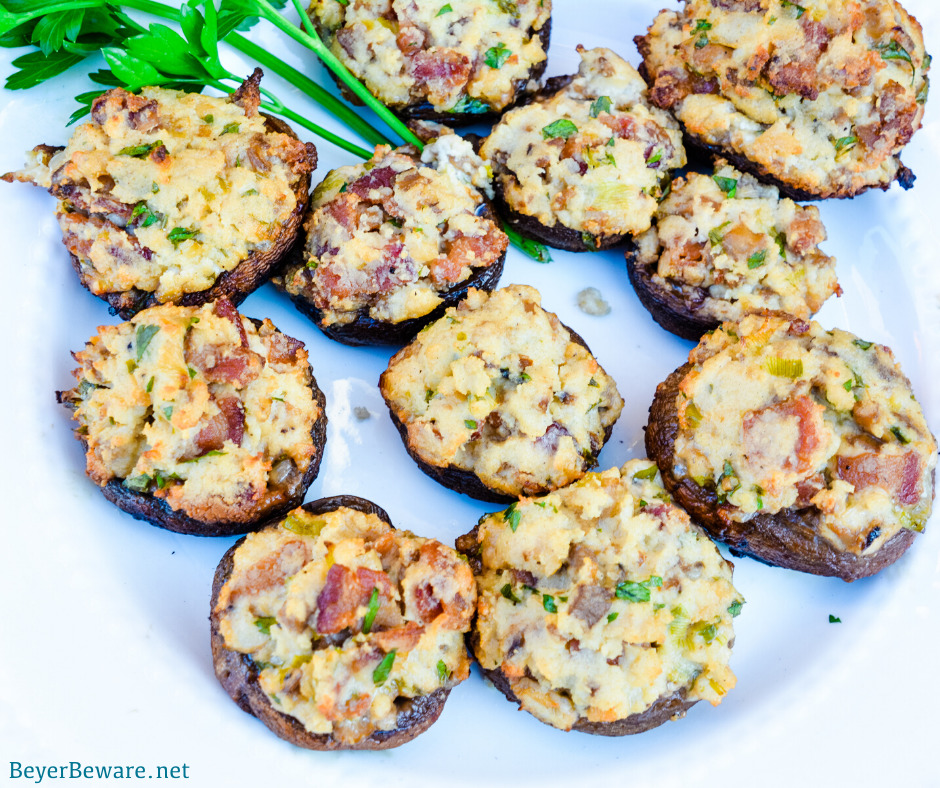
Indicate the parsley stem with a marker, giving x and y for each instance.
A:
(300, 120)
(333, 63)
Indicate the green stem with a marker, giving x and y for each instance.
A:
(333, 63)
(328, 101)
(10, 20)
(329, 136)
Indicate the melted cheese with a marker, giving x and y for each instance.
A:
(298, 601)
(735, 242)
(498, 387)
(777, 413)
(601, 598)
(174, 404)
(588, 166)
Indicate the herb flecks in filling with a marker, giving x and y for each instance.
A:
(355, 619)
(788, 415)
(599, 603)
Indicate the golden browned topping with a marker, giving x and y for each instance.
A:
(731, 246)
(391, 235)
(460, 56)
(778, 413)
(601, 598)
(499, 387)
(591, 157)
(164, 191)
(346, 619)
(199, 407)
(823, 94)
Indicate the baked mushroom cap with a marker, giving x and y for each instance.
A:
(176, 197)
(580, 168)
(198, 419)
(723, 245)
(392, 242)
(601, 607)
(339, 632)
(819, 101)
(458, 62)
(498, 399)
(801, 447)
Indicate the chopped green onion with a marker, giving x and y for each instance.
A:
(303, 525)
(862, 344)
(785, 367)
(229, 128)
(371, 612)
(442, 672)
(140, 151)
(896, 431)
(647, 473)
(470, 424)
(735, 608)
(506, 591)
(265, 623)
(380, 674)
(798, 8)
(179, 234)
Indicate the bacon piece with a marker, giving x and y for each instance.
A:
(437, 596)
(344, 592)
(269, 571)
(410, 39)
(375, 179)
(403, 638)
(758, 424)
(227, 424)
(248, 95)
(805, 231)
(623, 126)
(139, 112)
(442, 71)
(224, 308)
(806, 489)
(898, 474)
(283, 349)
(472, 251)
(239, 368)
(737, 5)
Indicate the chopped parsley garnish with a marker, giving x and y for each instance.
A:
(834, 619)
(548, 602)
(894, 51)
(373, 609)
(599, 105)
(562, 127)
(497, 55)
(701, 25)
(265, 623)
(145, 333)
(735, 608)
(757, 259)
(612, 616)
(512, 516)
(445, 9)
(728, 185)
(140, 151)
(192, 372)
(506, 591)
(470, 106)
(470, 424)
(380, 674)
(631, 591)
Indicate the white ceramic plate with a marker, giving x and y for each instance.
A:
(105, 656)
